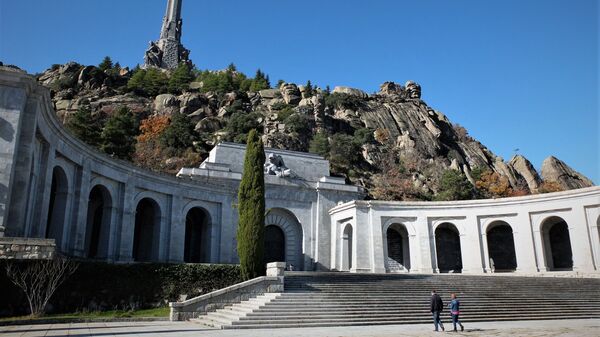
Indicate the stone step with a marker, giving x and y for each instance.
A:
(244, 325)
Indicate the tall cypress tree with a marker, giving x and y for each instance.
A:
(251, 210)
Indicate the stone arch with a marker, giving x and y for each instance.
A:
(98, 224)
(556, 244)
(448, 250)
(147, 230)
(197, 245)
(57, 208)
(501, 246)
(397, 248)
(293, 236)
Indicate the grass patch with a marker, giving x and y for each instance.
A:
(162, 312)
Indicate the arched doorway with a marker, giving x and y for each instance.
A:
(283, 233)
(398, 252)
(98, 222)
(447, 246)
(274, 244)
(59, 192)
(197, 236)
(147, 230)
(501, 247)
(557, 244)
(347, 248)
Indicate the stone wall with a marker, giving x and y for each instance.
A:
(27, 248)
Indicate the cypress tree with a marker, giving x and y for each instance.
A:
(251, 210)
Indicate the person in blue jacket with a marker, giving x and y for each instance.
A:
(455, 312)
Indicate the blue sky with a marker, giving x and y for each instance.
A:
(517, 74)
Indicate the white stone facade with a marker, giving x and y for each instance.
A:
(54, 186)
(536, 224)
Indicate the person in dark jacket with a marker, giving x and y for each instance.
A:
(436, 309)
(455, 311)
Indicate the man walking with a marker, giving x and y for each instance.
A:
(436, 309)
(455, 311)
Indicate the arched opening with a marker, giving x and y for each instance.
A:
(197, 236)
(347, 248)
(98, 222)
(147, 230)
(398, 252)
(501, 247)
(447, 246)
(274, 244)
(557, 244)
(283, 238)
(59, 191)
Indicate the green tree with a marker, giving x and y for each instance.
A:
(297, 123)
(106, 64)
(85, 126)
(148, 82)
(319, 144)
(240, 124)
(309, 89)
(251, 210)
(181, 78)
(454, 186)
(260, 82)
(118, 135)
(179, 135)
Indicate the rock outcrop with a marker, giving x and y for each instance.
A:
(556, 170)
(423, 139)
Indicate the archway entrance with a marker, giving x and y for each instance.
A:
(274, 244)
(59, 192)
(347, 248)
(197, 236)
(283, 238)
(447, 246)
(557, 244)
(398, 252)
(98, 222)
(501, 247)
(147, 230)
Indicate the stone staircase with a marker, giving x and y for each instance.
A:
(226, 316)
(344, 299)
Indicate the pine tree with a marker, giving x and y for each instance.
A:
(181, 78)
(309, 89)
(180, 133)
(85, 126)
(251, 210)
(454, 186)
(106, 64)
(118, 135)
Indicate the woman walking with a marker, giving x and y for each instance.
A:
(455, 311)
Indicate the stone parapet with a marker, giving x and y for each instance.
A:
(181, 311)
(27, 249)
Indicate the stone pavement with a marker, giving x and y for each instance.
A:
(578, 328)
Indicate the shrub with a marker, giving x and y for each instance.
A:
(363, 136)
(240, 124)
(344, 101)
(454, 186)
(103, 286)
(297, 123)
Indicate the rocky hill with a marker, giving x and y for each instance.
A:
(390, 142)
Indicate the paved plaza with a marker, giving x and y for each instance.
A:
(579, 328)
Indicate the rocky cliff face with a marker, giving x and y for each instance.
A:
(423, 139)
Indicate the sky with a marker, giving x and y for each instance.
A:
(520, 76)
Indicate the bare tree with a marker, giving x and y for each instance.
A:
(40, 279)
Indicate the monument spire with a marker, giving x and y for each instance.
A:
(168, 51)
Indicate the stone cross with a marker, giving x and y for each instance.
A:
(168, 52)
